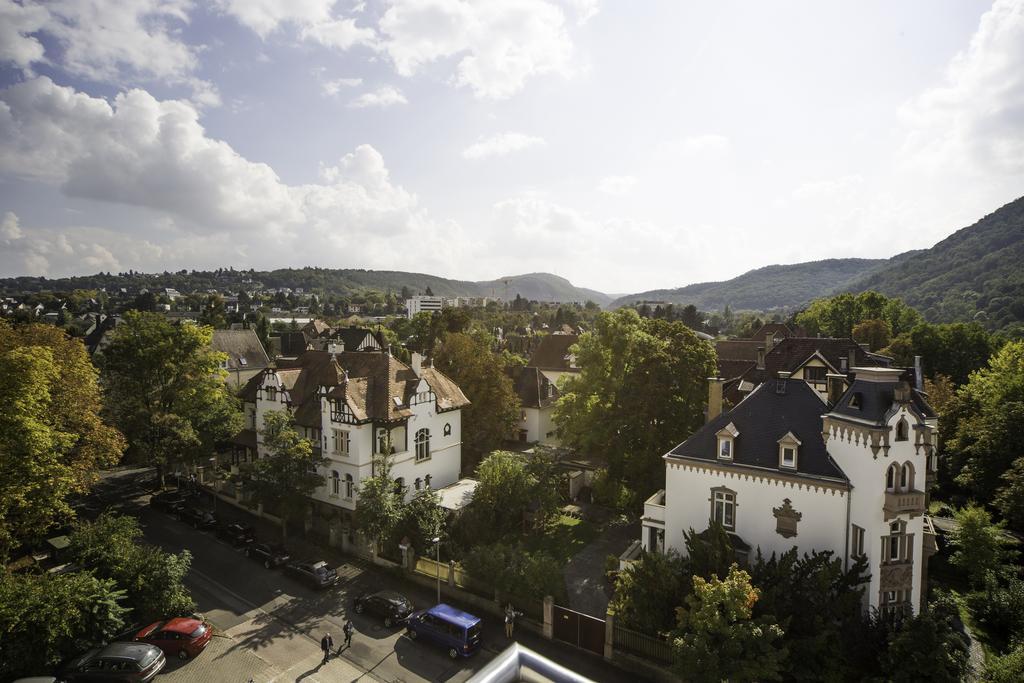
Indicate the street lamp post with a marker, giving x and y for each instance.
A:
(437, 544)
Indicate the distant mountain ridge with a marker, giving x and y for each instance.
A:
(534, 286)
(765, 289)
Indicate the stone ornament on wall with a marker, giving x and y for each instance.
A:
(786, 519)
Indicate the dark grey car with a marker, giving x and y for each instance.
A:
(313, 574)
(128, 662)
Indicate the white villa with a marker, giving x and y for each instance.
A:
(355, 405)
(846, 471)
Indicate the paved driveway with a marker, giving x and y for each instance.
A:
(585, 582)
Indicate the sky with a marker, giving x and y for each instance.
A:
(625, 146)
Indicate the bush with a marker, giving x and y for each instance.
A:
(1006, 669)
(612, 493)
(513, 570)
(649, 590)
(999, 606)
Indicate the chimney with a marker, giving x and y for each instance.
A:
(835, 387)
(769, 342)
(417, 363)
(851, 363)
(760, 358)
(918, 374)
(865, 346)
(334, 347)
(780, 385)
(714, 397)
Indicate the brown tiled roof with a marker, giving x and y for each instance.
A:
(248, 392)
(529, 383)
(789, 354)
(315, 329)
(730, 369)
(449, 395)
(240, 345)
(738, 349)
(352, 337)
(552, 353)
(780, 330)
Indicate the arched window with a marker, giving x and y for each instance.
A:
(349, 487)
(891, 475)
(335, 483)
(906, 477)
(902, 430)
(422, 445)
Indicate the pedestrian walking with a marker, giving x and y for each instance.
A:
(349, 629)
(326, 643)
(510, 619)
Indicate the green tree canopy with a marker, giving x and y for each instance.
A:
(648, 591)
(929, 646)
(379, 505)
(166, 391)
(980, 547)
(642, 388)
(112, 548)
(837, 316)
(494, 408)
(984, 423)
(717, 637)
(955, 350)
(52, 440)
(284, 478)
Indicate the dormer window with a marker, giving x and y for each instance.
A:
(789, 450)
(902, 430)
(727, 441)
(855, 401)
(271, 393)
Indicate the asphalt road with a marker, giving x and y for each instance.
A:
(273, 618)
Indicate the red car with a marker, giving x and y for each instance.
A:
(183, 637)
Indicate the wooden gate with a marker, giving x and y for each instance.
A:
(581, 630)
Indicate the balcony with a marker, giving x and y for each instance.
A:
(654, 508)
(903, 503)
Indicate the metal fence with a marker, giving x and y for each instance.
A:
(642, 644)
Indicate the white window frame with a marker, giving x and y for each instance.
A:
(727, 442)
(789, 442)
(335, 484)
(341, 442)
(350, 486)
(723, 506)
(422, 443)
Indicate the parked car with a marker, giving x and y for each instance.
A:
(182, 637)
(271, 555)
(390, 606)
(168, 501)
(314, 574)
(236, 534)
(196, 515)
(135, 662)
(455, 630)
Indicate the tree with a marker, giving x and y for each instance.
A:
(46, 618)
(1008, 668)
(710, 553)
(985, 417)
(510, 489)
(837, 316)
(955, 350)
(112, 548)
(213, 313)
(980, 547)
(648, 591)
(379, 506)
(875, 333)
(717, 637)
(166, 391)
(929, 646)
(422, 519)
(516, 572)
(493, 411)
(1010, 498)
(642, 385)
(287, 475)
(818, 603)
(52, 440)
(263, 332)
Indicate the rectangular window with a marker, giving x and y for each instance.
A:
(856, 541)
(724, 509)
(788, 457)
(271, 394)
(815, 375)
(340, 442)
(725, 449)
(894, 548)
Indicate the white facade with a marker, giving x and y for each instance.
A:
(423, 304)
(538, 425)
(877, 512)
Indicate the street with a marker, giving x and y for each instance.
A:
(268, 626)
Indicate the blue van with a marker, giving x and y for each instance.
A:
(455, 630)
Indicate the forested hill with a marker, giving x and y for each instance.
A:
(341, 282)
(976, 273)
(766, 288)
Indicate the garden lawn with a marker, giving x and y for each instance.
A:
(563, 539)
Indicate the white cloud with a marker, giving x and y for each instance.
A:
(137, 151)
(266, 16)
(585, 9)
(500, 145)
(706, 144)
(116, 41)
(617, 185)
(341, 34)
(17, 24)
(333, 87)
(977, 115)
(382, 97)
(499, 43)
(9, 228)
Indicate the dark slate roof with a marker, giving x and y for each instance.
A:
(529, 383)
(780, 330)
(789, 354)
(293, 343)
(763, 418)
(239, 344)
(731, 369)
(552, 353)
(876, 398)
